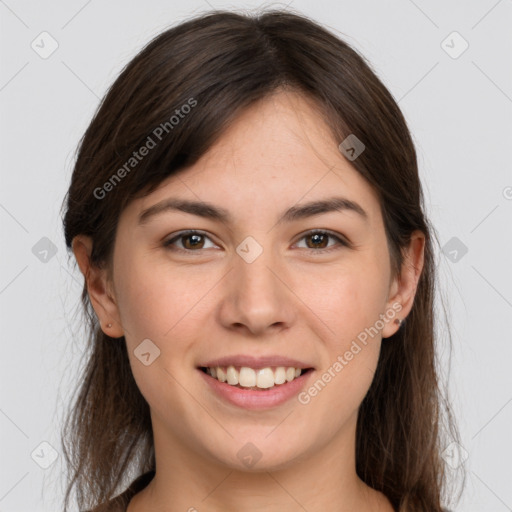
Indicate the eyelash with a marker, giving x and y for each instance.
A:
(183, 234)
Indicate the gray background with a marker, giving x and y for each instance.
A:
(459, 111)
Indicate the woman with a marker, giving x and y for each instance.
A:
(259, 281)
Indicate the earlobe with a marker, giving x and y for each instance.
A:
(98, 287)
(405, 285)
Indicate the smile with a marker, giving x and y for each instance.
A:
(255, 389)
(249, 378)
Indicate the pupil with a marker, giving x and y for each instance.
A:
(195, 237)
(318, 237)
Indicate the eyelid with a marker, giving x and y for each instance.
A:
(181, 234)
(342, 241)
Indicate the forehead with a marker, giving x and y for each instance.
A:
(277, 152)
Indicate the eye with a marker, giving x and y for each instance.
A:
(319, 241)
(193, 240)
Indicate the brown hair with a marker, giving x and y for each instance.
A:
(225, 61)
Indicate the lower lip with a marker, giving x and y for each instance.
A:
(255, 399)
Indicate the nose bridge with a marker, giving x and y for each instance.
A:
(256, 284)
(255, 279)
(257, 297)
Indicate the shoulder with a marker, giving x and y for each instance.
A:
(120, 502)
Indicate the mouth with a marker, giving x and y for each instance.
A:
(254, 379)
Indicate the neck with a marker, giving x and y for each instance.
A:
(324, 480)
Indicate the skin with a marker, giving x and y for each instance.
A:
(292, 301)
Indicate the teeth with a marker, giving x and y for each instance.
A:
(221, 374)
(232, 376)
(280, 375)
(265, 378)
(262, 378)
(247, 377)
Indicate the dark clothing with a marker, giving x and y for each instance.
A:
(120, 502)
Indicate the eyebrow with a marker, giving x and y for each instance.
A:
(217, 213)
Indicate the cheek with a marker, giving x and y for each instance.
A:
(347, 299)
(154, 301)
(350, 303)
(164, 307)
(352, 350)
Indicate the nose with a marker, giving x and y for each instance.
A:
(257, 299)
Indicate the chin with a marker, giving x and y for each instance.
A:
(255, 457)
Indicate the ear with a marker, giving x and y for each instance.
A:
(403, 287)
(99, 288)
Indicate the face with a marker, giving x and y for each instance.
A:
(297, 289)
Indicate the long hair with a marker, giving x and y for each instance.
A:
(218, 64)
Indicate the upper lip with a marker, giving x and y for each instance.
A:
(256, 362)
